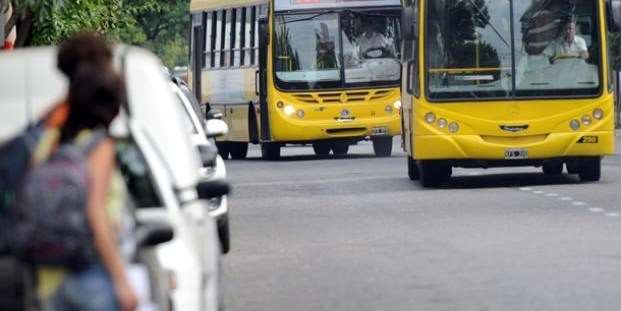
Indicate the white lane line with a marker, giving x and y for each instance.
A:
(539, 192)
(526, 189)
(552, 195)
(577, 203)
(474, 173)
(596, 210)
(613, 215)
(566, 199)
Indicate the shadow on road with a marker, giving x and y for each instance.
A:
(311, 157)
(509, 180)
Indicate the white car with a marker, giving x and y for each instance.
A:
(203, 132)
(153, 138)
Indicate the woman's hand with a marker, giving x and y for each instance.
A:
(127, 298)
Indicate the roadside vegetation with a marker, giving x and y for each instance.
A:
(161, 26)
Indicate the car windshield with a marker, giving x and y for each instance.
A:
(474, 50)
(337, 49)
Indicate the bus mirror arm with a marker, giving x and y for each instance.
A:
(408, 82)
(256, 82)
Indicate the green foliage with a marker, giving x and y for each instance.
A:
(161, 26)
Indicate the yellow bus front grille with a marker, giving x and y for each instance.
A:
(342, 97)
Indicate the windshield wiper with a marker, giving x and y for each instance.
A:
(309, 18)
(489, 22)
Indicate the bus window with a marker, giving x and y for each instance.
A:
(307, 50)
(371, 47)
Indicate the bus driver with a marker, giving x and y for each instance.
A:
(568, 45)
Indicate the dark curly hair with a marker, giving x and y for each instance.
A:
(95, 98)
(83, 47)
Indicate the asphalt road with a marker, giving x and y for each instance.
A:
(355, 233)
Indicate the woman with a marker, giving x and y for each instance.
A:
(95, 96)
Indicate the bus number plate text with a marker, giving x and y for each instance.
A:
(516, 154)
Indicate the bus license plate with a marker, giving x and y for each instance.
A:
(380, 131)
(516, 154)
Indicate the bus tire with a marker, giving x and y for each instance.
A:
(382, 146)
(223, 149)
(590, 169)
(270, 151)
(239, 151)
(553, 168)
(321, 149)
(434, 174)
(413, 171)
(340, 149)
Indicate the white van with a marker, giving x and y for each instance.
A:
(155, 150)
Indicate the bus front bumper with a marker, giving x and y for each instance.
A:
(289, 130)
(475, 147)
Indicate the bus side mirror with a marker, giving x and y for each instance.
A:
(263, 29)
(409, 28)
(614, 15)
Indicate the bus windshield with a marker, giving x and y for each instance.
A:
(337, 49)
(475, 51)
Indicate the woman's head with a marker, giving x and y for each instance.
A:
(83, 48)
(95, 98)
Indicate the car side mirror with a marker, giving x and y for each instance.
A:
(216, 128)
(214, 114)
(152, 234)
(212, 189)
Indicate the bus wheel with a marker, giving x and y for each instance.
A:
(223, 149)
(590, 169)
(340, 149)
(382, 146)
(270, 151)
(553, 168)
(434, 174)
(413, 171)
(322, 149)
(239, 151)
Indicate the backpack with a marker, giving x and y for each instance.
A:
(15, 155)
(51, 224)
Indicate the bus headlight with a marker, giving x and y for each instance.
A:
(586, 119)
(388, 109)
(442, 123)
(397, 104)
(280, 105)
(300, 113)
(598, 114)
(289, 110)
(453, 127)
(574, 125)
(430, 117)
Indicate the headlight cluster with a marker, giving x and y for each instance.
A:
(442, 123)
(290, 111)
(396, 106)
(587, 119)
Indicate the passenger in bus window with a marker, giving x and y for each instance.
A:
(569, 45)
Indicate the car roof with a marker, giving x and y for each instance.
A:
(35, 85)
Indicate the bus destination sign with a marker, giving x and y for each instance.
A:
(291, 5)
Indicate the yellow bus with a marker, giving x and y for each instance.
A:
(320, 72)
(499, 83)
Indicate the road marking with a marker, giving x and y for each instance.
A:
(539, 192)
(552, 195)
(526, 189)
(577, 203)
(566, 199)
(613, 215)
(596, 210)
